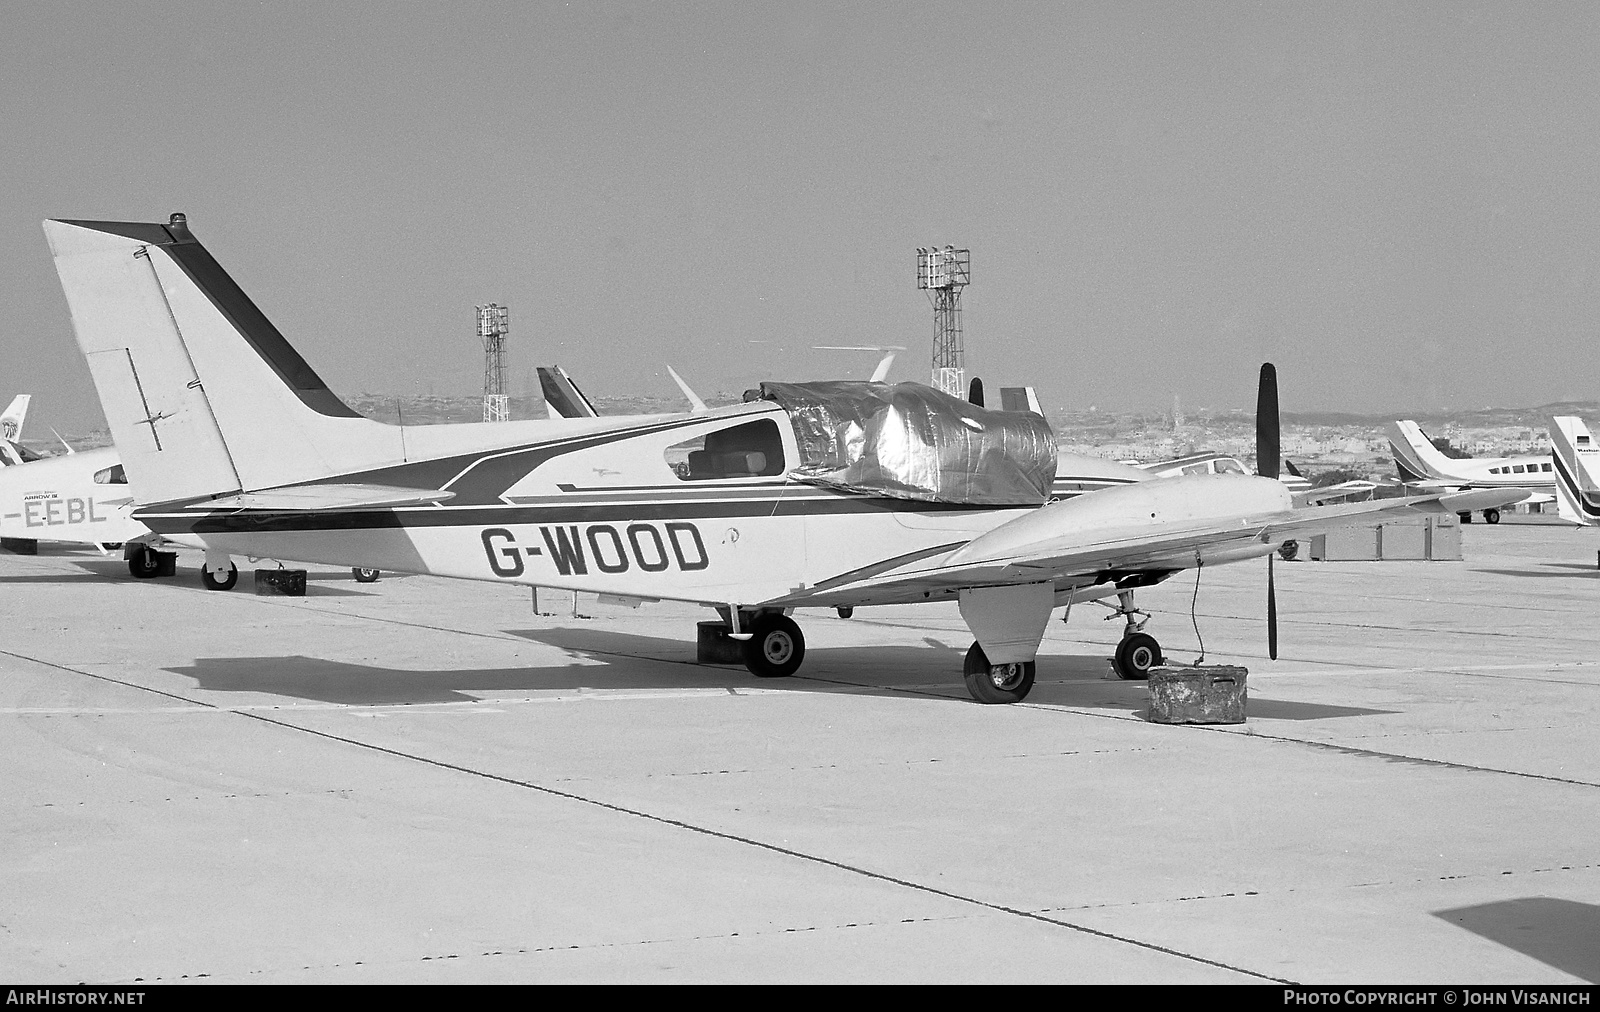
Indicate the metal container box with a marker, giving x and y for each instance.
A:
(713, 645)
(281, 582)
(1404, 539)
(1208, 695)
(1351, 544)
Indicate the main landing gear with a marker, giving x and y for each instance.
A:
(995, 683)
(220, 581)
(1138, 652)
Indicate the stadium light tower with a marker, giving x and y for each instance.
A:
(942, 273)
(494, 322)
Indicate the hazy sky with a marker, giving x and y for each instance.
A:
(1397, 202)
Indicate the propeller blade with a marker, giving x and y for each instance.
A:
(1272, 613)
(1267, 445)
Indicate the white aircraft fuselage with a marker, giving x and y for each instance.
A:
(79, 498)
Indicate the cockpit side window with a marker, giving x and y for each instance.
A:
(113, 475)
(1230, 466)
(751, 450)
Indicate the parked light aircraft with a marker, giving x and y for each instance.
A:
(829, 495)
(1220, 463)
(1420, 464)
(77, 498)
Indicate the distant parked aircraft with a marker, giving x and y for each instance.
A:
(1419, 463)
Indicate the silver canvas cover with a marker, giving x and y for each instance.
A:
(914, 442)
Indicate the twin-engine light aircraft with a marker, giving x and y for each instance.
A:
(811, 495)
(1420, 464)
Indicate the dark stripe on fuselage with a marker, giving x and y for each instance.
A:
(247, 521)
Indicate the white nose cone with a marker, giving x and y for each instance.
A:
(1163, 506)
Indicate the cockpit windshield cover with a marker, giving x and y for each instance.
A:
(911, 441)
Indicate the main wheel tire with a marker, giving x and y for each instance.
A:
(143, 564)
(1136, 655)
(1288, 550)
(224, 582)
(995, 683)
(1491, 516)
(775, 647)
(1466, 518)
(365, 575)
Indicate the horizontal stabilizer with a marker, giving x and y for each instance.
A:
(331, 497)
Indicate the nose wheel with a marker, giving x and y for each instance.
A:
(1136, 655)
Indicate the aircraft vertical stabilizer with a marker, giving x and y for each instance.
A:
(1415, 457)
(203, 395)
(15, 414)
(1577, 455)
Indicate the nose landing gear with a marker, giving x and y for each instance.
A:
(1138, 652)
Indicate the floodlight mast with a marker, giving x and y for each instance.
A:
(494, 323)
(942, 273)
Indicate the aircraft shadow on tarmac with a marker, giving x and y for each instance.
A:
(631, 661)
(1558, 933)
(111, 569)
(1568, 569)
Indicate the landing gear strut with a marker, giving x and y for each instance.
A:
(1138, 652)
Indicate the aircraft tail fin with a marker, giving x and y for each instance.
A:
(1576, 456)
(11, 421)
(1416, 459)
(203, 395)
(696, 405)
(562, 398)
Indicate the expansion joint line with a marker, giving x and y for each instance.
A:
(675, 823)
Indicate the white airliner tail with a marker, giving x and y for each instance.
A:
(11, 421)
(1577, 460)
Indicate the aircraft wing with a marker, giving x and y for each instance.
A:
(331, 497)
(1111, 553)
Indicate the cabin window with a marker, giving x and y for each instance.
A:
(751, 450)
(1197, 469)
(113, 475)
(1517, 469)
(1230, 466)
(1544, 467)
